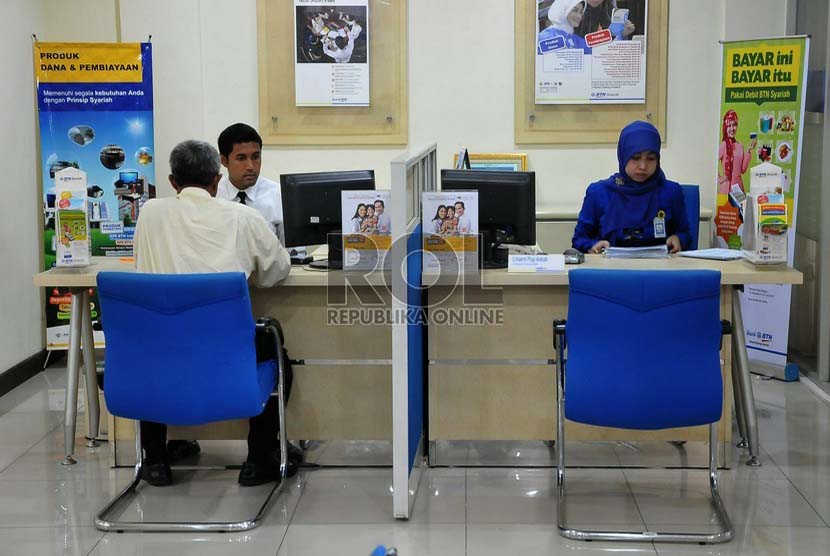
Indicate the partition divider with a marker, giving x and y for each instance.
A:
(413, 172)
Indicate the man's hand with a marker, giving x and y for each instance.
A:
(673, 243)
(628, 29)
(601, 246)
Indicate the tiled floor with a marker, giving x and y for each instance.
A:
(780, 508)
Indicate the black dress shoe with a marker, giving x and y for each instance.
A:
(295, 457)
(258, 473)
(157, 474)
(177, 450)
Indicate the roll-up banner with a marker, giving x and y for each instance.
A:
(95, 112)
(760, 137)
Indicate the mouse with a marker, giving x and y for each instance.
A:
(573, 256)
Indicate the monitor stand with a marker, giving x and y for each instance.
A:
(495, 257)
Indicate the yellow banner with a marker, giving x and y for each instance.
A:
(58, 62)
(367, 242)
(763, 65)
(457, 244)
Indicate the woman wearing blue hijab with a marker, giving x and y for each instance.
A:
(637, 206)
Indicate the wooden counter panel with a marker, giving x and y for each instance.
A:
(526, 331)
(302, 312)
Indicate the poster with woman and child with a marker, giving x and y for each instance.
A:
(450, 229)
(590, 51)
(367, 230)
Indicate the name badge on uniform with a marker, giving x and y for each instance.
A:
(660, 225)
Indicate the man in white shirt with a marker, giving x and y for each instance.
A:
(464, 224)
(240, 150)
(384, 222)
(339, 49)
(195, 232)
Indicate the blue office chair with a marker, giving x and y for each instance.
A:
(691, 196)
(200, 365)
(658, 368)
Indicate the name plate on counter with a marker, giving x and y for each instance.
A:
(536, 263)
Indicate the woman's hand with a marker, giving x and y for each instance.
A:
(628, 29)
(601, 246)
(673, 243)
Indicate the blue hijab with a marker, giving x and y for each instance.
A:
(637, 137)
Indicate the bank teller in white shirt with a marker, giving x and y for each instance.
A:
(240, 151)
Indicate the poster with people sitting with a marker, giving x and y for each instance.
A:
(450, 229)
(332, 52)
(367, 229)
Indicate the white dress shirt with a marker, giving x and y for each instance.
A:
(340, 55)
(264, 196)
(464, 224)
(384, 224)
(196, 233)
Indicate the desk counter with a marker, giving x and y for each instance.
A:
(732, 272)
(342, 384)
(497, 382)
(85, 276)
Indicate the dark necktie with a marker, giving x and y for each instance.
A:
(242, 198)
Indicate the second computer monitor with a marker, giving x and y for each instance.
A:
(506, 204)
(311, 203)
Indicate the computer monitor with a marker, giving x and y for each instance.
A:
(128, 177)
(311, 204)
(506, 208)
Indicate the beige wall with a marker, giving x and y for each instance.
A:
(20, 325)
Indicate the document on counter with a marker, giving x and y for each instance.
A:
(652, 252)
(714, 254)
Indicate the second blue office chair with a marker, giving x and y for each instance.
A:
(181, 351)
(643, 352)
(691, 198)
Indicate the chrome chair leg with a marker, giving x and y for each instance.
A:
(104, 521)
(723, 535)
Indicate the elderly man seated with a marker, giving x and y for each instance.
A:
(194, 232)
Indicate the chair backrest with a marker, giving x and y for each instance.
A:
(691, 196)
(180, 348)
(643, 348)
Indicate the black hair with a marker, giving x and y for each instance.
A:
(341, 42)
(379, 201)
(235, 134)
(438, 210)
(459, 203)
(357, 210)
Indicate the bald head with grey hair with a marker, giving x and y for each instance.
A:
(194, 163)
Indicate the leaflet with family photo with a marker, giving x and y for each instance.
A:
(450, 230)
(367, 230)
(331, 39)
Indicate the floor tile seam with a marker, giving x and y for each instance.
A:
(95, 546)
(293, 513)
(39, 440)
(634, 498)
(466, 511)
(807, 500)
(798, 490)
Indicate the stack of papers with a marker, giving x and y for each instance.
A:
(714, 254)
(653, 252)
